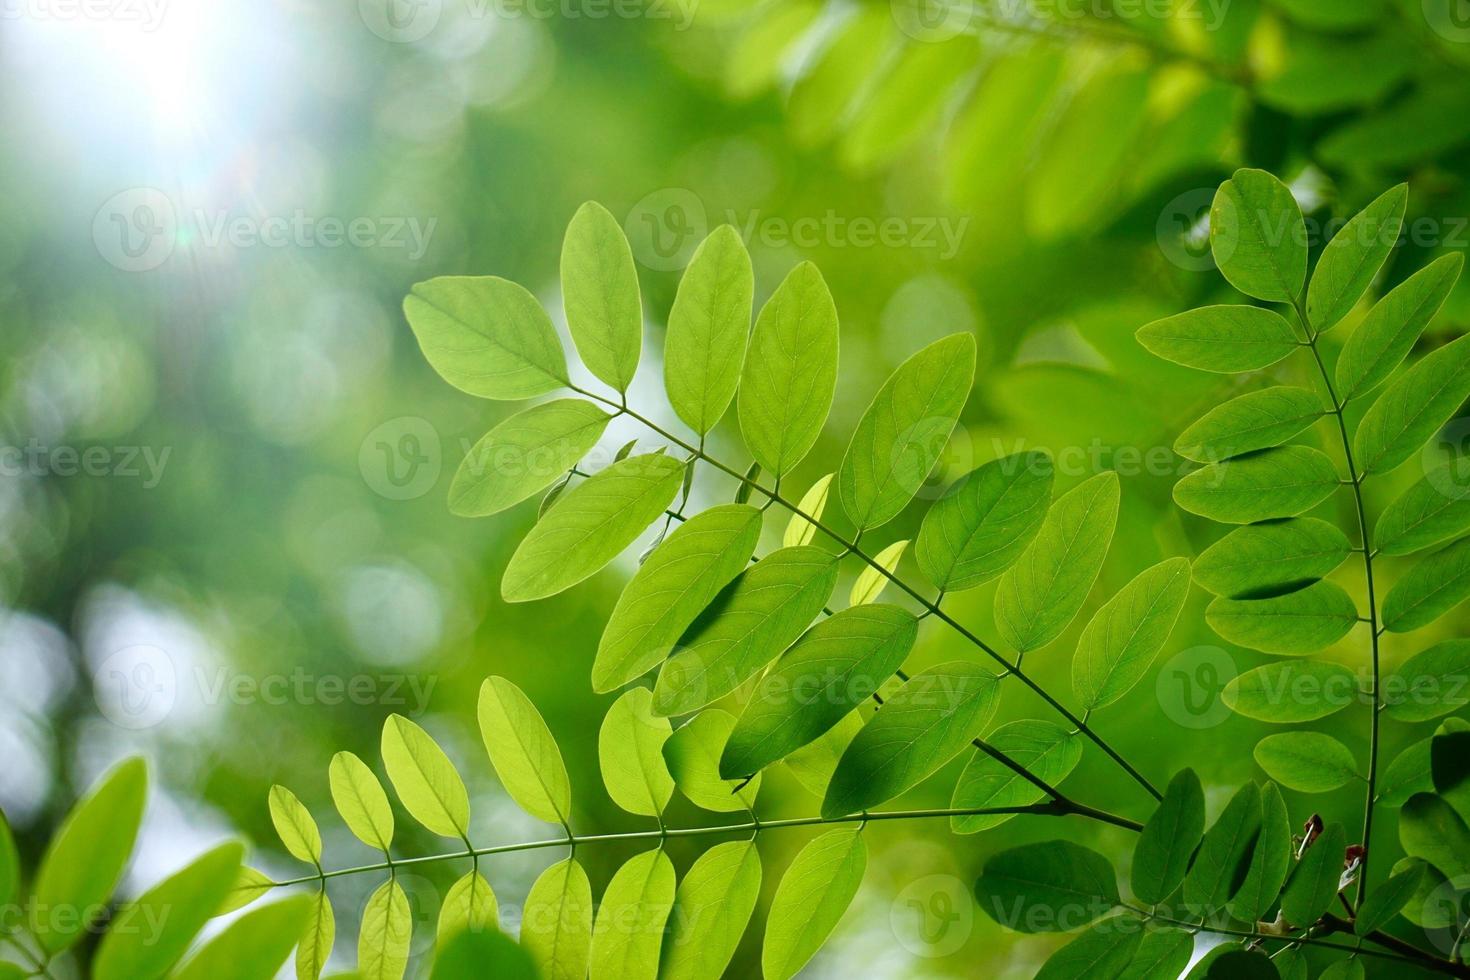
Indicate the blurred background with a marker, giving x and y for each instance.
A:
(223, 461)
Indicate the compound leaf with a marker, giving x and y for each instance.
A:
(524, 455)
(983, 523)
(708, 326)
(523, 751)
(813, 894)
(1127, 632)
(599, 287)
(1295, 623)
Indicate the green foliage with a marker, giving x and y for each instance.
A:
(1222, 339)
(426, 782)
(524, 455)
(1389, 331)
(1353, 258)
(1257, 420)
(980, 527)
(1222, 862)
(1119, 644)
(1298, 622)
(1274, 483)
(713, 906)
(708, 325)
(1042, 748)
(813, 894)
(1315, 881)
(1261, 558)
(1047, 887)
(627, 934)
(1307, 761)
(556, 928)
(630, 753)
(1169, 839)
(523, 752)
(1257, 236)
(1435, 585)
(599, 285)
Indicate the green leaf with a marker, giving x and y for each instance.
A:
(1353, 257)
(1120, 642)
(871, 582)
(1309, 762)
(1430, 683)
(1270, 860)
(425, 780)
(1427, 907)
(1349, 969)
(1258, 238)
(1292, 692)
(1039, 595)
(1413, 408)
(790, 371)
(1230, 962)
(1296, 623)
(295, 826)
(1431, 588)
(799, 530)
(983, 523)
(693, 755)
(523, 751)
(903, 432)
(1314, 882)
(1224, 855)
(85, 859)
(1407, 774)
(756, 617)
(811, 899)
(487, 336)
(1429, 828)
(711, 911)
(1435, 509)
(1163, 953)
(924, 724)
(361, 801)
(524, 455)
(1103, 951)
(835, 667)
(148, 936)
(475, 955)
(386, 933)
(1280, 482)
(630, 748)
(708, 325)
(254, 947)
(590, 525)
(1169, 839)
(1450, 769)
(556, 924)
(1291, 964)
(813, 764)
(249, 885)
(1221, 339)
(315, 947)
(630, 921)
(1259, 558)
(1386, 901)
(1042, 748)
(1051, 886)
(1389, 331)
(469, 905)
(9, 864)
(1256, 420)
(599, 288)
(677, 582)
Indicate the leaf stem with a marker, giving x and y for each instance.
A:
(1051, 809)
(913, 593)
(1356, 482)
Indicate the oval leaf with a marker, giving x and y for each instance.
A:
(385, 935)
(811, 899)
(1296, 623)
(1120, 642)
(469, 906)
(1413, 408)
(790, 371)
(1043, 591)
(1280, 482)
(903, 432)
(1388, 899)
(708, 325)
(1435, 509)
(590, 525)
(556, 924)
(1169, 839)
(924, 724)
(1264, 557)
(524, 455)
(295, 826)
(1258, 238)
(361, 801)
(799, 530)
(1314, 882)
(254, 947)
(523, 751)
(1257, 420)
(1224, 855)
(425, 780)
(1051, 886)
(711, 910)
(630, 754)
(487, 336)
(1222, 339)
(599, 288)
(1431, 683)
(1353, 257)
(1292, 692)
(1043, 749)
(1390, 329)
(629, 930)
(693, 756)
(985, 521)
(871, 582)
(1309, 762)
(834, 668)
(1431, 588)
(1270, 860)
(1429, 828)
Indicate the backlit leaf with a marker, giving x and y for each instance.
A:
(1431, 588)
(1431, 683)
(386, 933)
(924, 724)
(799, 530)
(711, 911)
(790, 371)
(599, 287)
(476, 955)
(871, 582)
(630, 754)
(295, 826)
(469, 905)
(1042, 748)
(523, 751)
(1353, 257)
(693, 756)
(1040, 594)
(1050, 886)
(361, 801)
(813, 894)
(708, 326)
(1296, 623)
(254, 946)
(1104, 949)
(1281, 482)
(1258, 238)
(1291, 692)
(756, 617)
(487, 336)
(1313, 884)
(425, 780)
(1259, 558)
(524, 455)
(315, 947)
(556, 924)
(1169, 839)
(629, 930)
(903, 432)
(1434, 509)
(1389, 331)
(1222, 339)
(1257, 420)
(1413, 408)
(1310, 762)
(1384, 902)
(1224, 855)
(1270, 860)
(985, 521)
(835, 667)
(1120, 642)
(590, 525)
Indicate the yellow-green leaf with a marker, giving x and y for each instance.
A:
(295, 826)
(556, 924)
(361, 801)
(426, 781)
(708, 326)
(469, 906)
(599, 287)
(813, 894)
(799, 530)
(386, 934)
(630, 754)
(871, 582)
(629, 930)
